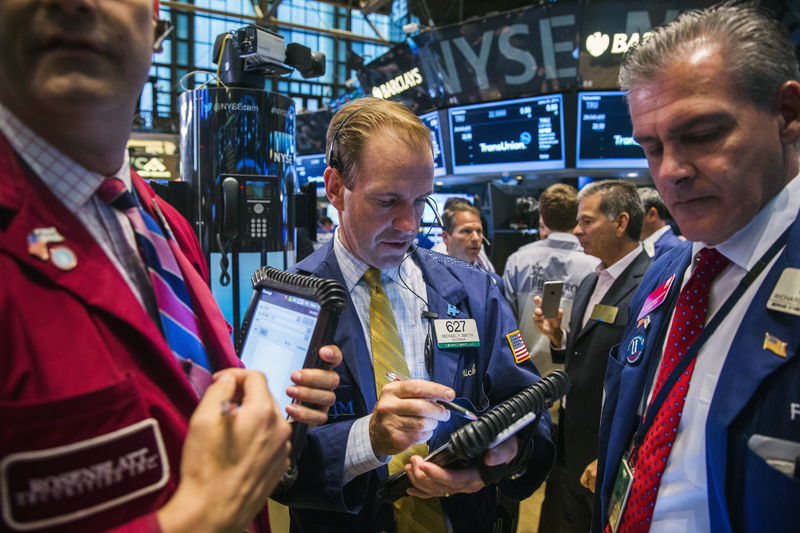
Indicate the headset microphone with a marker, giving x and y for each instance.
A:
(432, 204)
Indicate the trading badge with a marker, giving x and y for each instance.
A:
(644, 322)
(63, 258)
(635, 349)
(518, 347)
(452, 310)
(774, 345)
(656, 298)
(785, 296)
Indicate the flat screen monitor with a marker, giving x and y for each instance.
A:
(433, 122)
(525, 134)
(605, 132)
(440, 198)
(310, 168)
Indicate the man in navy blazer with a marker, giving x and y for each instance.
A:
(609, 222)
(715, 103)
(379, 176)
(657, 235)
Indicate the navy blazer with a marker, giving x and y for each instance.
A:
(487, 375)
(665, 243)
(758, 392)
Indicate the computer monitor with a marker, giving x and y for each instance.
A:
(525, 134)
(605, 132)
(433, 121)
(310, 168)
(440, 198)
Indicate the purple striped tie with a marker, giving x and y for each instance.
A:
(178, 322)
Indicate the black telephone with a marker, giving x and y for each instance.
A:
(250, 209)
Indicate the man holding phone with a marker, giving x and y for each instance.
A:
(556, 256)
(609, 223)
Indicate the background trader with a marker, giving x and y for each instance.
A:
(609, 223)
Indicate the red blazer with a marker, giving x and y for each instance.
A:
(94, 407)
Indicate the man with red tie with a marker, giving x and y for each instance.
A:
(119, 407)
(700, 427)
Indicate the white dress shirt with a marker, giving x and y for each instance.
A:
(407, 295)
(682, 502)
(650, 242)
(606, 276)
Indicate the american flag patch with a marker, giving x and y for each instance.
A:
(518, 347)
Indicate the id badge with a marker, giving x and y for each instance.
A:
(620, 493)
(456, 332)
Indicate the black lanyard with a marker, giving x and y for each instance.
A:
(654, 407)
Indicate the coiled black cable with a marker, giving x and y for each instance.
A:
(469, 442)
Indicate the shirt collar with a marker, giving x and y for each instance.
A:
(353, 268)
(656, 235)
(747, 245)
(72, 183)
(615, 270)
(563, 236)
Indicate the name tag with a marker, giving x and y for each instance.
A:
(620, 493)
(785, 296)
(46, 488)
(456, 332)
(605, 313)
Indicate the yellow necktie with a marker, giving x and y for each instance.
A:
(411, 514)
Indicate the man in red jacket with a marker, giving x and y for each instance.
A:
(101, 426)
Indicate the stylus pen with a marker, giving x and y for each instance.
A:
(450, 406)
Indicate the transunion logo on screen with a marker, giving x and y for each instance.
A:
(508, 146)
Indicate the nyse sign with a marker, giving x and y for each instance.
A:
(519, 53)
(524, 52)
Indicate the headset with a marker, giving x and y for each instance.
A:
(334, 161)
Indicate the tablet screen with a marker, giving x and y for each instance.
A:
(278, 337)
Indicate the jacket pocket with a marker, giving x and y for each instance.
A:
(80, 463)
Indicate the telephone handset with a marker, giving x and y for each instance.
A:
(249, 216)
(250, 208)
(229, 227)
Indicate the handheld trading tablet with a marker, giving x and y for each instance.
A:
(467, 444)
(289, 318)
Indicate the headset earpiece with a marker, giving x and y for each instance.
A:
(333, 161)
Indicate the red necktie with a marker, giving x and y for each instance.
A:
(652, 456)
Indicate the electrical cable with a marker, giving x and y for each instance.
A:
(466, 445)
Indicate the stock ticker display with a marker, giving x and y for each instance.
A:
(434, 124)
(605, 133)
(508, 136)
